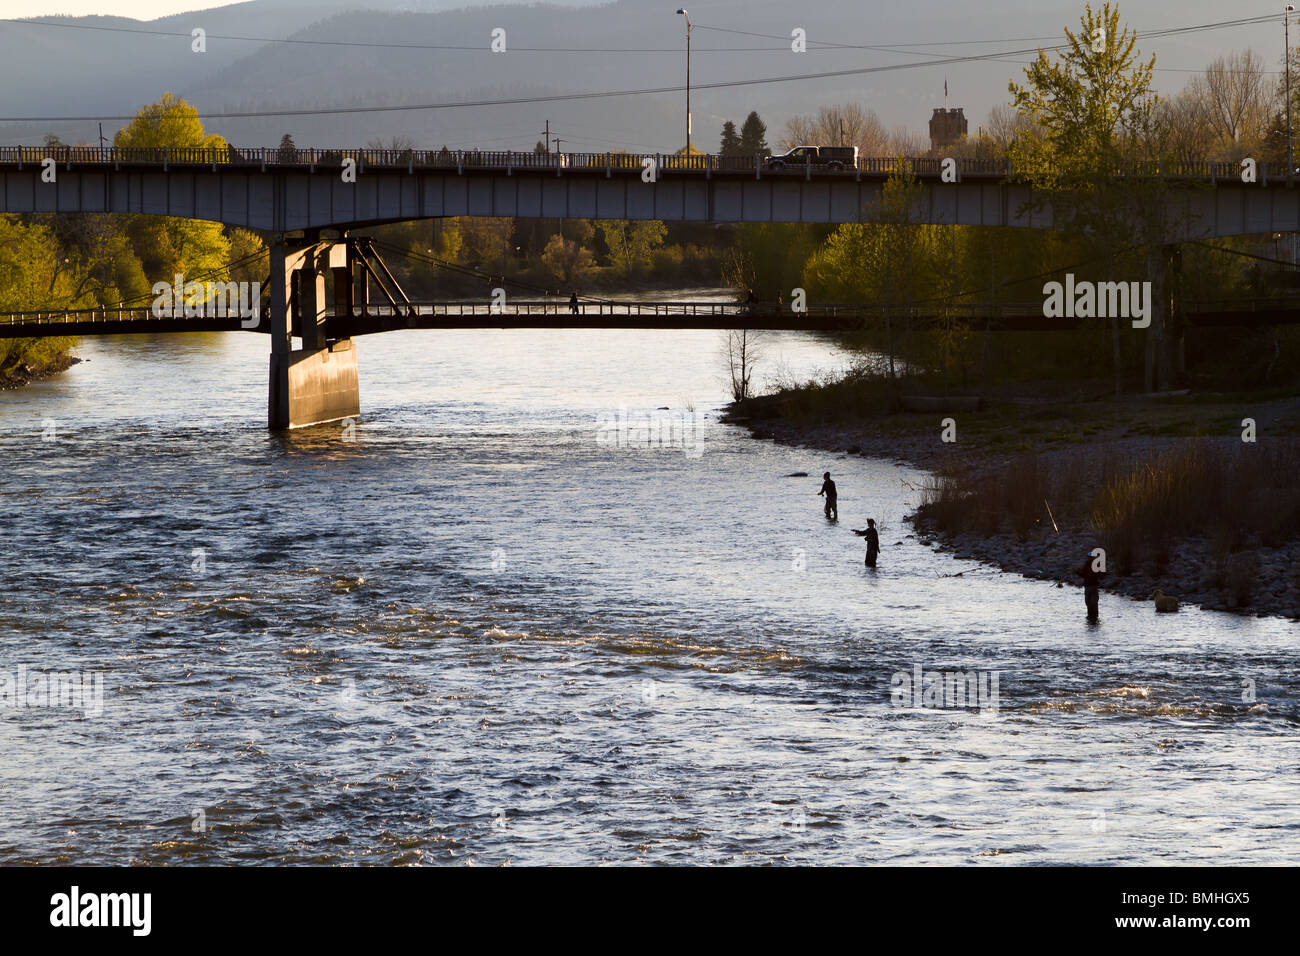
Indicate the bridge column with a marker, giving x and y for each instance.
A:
(316, 383)
(309, 318)
(281, 343)
(1164, 362)
(1177, 322)
(343, 283)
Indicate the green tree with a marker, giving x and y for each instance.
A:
(580, 231)
(567, 261)
(287, 149)
(447, 238)
(169, 122)
(632, 244)
(32, 276)
(485, 241)
(895, 263)
(769, 258)
(168, 245)
(730, 140)
(1087, 106)
(1094, 116)
(753, 136)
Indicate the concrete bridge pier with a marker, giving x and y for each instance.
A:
(1165, 361)
(316, 383)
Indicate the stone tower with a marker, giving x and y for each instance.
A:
(946, 127)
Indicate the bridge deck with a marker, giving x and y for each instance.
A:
(182, 158)
(286, 191)
(614, 315)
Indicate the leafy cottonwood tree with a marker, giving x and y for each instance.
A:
(31, 277)
(485, 241)
(1093, 117)
(769, 257)
(167, 245)
(631, 243)
(566, 260)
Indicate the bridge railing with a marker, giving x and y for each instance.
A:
(142, 313)
(558, 308)
(507, 161)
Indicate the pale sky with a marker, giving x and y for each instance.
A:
(139, 9)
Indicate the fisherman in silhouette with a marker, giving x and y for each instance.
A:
(1090, 579)
(832, 497)
(573, 304)
(873, 541)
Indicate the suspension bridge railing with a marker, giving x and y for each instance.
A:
(559, 308)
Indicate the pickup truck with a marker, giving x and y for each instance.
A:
(831, 157)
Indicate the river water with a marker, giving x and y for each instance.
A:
(477, 628)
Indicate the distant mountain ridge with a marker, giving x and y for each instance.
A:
(67, 71)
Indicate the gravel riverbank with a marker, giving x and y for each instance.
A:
(1264, 580)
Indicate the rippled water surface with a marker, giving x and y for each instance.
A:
(475, 633)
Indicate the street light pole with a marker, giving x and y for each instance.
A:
(1290, 153)
(1286, 32)
(682, 12)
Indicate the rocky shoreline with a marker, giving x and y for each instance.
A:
(1050, 555)
(22, 375)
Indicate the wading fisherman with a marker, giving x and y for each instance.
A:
(1090, 579)
(873, 541)
(832, 499)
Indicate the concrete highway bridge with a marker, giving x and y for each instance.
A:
(309, 201)
(283, 191)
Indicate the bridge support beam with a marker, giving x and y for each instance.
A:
(316, 383)
(1165, 364)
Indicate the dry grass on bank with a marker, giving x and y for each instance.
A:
(1141, 505)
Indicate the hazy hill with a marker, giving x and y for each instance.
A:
(66, 71)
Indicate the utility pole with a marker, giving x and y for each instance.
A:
(547, 137)
(101, 137)
(1290, 155)
(683, 12)
(1286, 33)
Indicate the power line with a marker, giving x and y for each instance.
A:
(221, 272)
(897, 47)
(514, 101)
(821, 45)
(470, 48)
(1246, 255)
(771, 36)
(1038, 275)
(604, 94)
(429, 259)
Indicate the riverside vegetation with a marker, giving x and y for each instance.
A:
(1135, 441)
(1044, 472)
